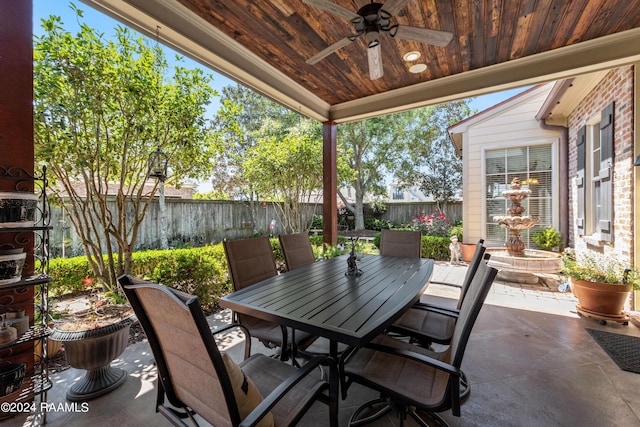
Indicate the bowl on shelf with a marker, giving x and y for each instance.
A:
(11, 377)
(17, 209)
(11, 267)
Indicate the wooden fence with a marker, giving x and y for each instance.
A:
(399, 213)
(199, 222)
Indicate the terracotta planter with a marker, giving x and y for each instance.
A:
(600, 298)
(53, 347)
(467, 249)
(93, 350)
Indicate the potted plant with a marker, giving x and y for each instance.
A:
(548, 239)
(601, 283)
(92, 339)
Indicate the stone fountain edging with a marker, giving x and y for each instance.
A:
(524, 269)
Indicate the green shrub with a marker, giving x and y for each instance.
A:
(547, 239)
(316, 240)
(67, 275)
(376, 223)
(198, 271)
(332, 252)
(277, 250)
(456, 230)
(376, 240)
(435, 247)
(316, 222)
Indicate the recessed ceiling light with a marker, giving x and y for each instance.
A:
(417, 68)
(411, 56)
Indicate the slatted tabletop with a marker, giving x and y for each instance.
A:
(322, 300)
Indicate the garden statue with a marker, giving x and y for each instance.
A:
(454, 250)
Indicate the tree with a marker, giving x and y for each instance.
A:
(287, 169)
(438, 168)
(101, 108)
(411, 146)
(250, 131)
(372, 149)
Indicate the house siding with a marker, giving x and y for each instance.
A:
(617, 86)
(513, 124)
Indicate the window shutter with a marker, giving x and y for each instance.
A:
(580, 179)
(606, 173)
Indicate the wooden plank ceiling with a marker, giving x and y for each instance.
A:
(283, 34)
(286, 32)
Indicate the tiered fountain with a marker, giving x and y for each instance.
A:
(518, 264)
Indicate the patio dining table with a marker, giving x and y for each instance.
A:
(322, 300)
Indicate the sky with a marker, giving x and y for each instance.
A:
(42, 9)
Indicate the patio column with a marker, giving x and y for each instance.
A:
(16, 142)
(329, 184)
(16, 95)
(16, 87)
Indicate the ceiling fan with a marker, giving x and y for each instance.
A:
(370, 21)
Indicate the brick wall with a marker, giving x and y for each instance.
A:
(616, 87)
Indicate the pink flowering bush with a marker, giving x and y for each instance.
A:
(435, 224)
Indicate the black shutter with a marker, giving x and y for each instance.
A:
(580, 179)
(606, 173)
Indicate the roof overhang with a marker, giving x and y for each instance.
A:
(188, 33)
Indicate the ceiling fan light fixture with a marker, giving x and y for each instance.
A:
(417, 68)
(372, 38)
(411, 56)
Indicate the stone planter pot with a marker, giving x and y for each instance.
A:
(601, 299)
(93, 350)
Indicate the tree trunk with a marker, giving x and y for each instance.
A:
(359, 212)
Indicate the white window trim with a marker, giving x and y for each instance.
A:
(592, 233)
(555, 186)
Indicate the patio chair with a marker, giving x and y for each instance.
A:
(406, 377)
(196, 379)
(401, 243)
(428, 322)
(471, 269)
(296, 249)
(250, 261)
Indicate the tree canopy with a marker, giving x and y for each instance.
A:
(101, 108)
(267, 152)
(438, 170)
(410, 147)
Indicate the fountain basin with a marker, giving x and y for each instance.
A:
(524, 269)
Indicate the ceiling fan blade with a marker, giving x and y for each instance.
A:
(423, 35)
(394, 6)
(333, 8)
(375, 62)
(329, 50)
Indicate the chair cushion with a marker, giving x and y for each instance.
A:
(433, 326)
(245, 391)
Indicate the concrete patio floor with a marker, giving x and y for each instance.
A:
(530, 362)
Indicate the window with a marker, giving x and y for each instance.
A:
(532, 164)
(594, 196)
